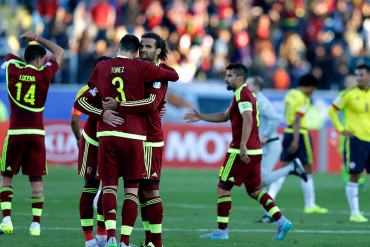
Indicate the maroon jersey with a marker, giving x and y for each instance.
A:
(27, 90)
(154, 129)
(124, 79)
(93, 99)
(244, 100)
(155, 92)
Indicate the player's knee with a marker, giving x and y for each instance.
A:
(252, 192)
(150, 193)
(6, 181)
(35, 178)
(224, 189)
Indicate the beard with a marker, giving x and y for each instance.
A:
(229, 87)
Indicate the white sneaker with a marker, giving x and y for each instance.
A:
(101, 240)
(35, 229)
(91, 243)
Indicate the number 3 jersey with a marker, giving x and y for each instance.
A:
(27, 90)
(124, 79)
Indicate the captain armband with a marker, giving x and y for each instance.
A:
(245, 106)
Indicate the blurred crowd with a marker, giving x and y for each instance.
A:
(278, 40)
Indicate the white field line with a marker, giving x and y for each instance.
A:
(206, 207)
(202, 230)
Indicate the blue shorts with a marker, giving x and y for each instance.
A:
(304, 151)
(356, 155)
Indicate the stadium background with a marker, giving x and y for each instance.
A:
(278, 40)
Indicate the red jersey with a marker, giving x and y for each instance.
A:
(27, 90)
(154, 129)
(244, 100)
(156, 92)
(124, 79)
(91, 123)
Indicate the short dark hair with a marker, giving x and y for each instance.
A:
(308, 80)
(239, 69)
(33, 52)
(99, 59)
(159, 43)
(129, 43)
(363, 66)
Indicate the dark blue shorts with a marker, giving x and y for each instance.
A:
(356, 155)
(304, 151)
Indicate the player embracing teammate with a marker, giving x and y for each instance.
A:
(121, 146)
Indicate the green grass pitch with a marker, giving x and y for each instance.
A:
(189, 197)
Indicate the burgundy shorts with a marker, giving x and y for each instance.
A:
(87, 159)
(234, 170)
(24, 151)
(153, 161)
(120, 157)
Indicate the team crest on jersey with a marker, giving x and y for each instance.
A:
(157, 85)
(93, 91)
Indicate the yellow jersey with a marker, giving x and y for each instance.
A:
(355, 104)
(296, 103)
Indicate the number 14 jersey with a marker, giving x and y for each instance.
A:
(27, 90)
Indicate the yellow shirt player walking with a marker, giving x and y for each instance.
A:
(355, 103)
(297, 141)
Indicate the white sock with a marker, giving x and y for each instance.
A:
(353, 197)
(7, 219)
(275, 187)
(276, 174)
(35, 225)
(308, 192)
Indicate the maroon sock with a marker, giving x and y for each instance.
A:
(100, 230)
(87, 211)
(155, 216)
(269, 205)
(129, 215)
(145, 220)
(37, 207)
(110, 211)
(223, 211)
(6, 197)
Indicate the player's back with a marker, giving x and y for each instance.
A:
(123, 79)
(27, 90)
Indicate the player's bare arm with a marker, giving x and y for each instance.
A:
(246, 131)
(195, 116)
(75, 125)
(58, 52)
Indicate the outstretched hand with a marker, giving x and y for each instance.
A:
(193, 116)
(109, 117)
(109, 104)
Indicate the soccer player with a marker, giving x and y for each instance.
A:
(121, 151)
(153, 49)
(355, 103)
(243, 159)
(297, 140)
(24, 146)
(87, 168)
(269, 121)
